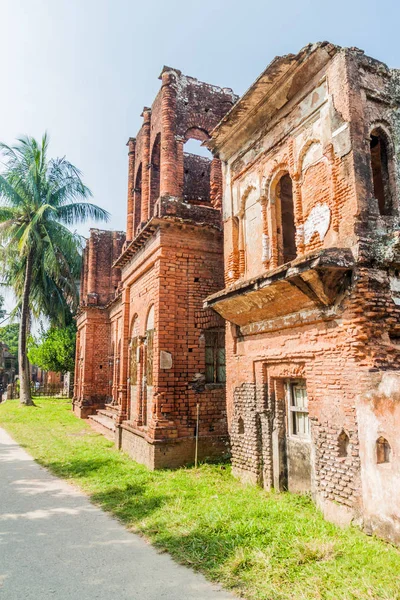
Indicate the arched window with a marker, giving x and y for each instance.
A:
(285, 220)
(155, 173)
(240, 426)
(380, 171)
(149, 344)
(343, 444)
(137, 200)
(196, 166)
(383, 450)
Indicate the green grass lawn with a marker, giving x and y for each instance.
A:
(261, 545)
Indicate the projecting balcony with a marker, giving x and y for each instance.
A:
(313, 281)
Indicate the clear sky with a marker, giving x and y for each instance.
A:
(84, 69)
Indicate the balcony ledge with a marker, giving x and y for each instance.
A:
(311, 281)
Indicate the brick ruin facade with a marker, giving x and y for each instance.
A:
(312, 282)
(309, 189)
(148, 353)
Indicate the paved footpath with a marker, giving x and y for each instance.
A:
(55, 544)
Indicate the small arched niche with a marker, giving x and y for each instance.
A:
(240, 426)
(380, 165)
(343, 444)
(383, 451)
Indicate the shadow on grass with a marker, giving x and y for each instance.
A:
(129, 502)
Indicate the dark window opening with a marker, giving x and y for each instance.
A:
(343, 444)
(380, 172)
(215, 356)
(240, 426)
(285, 195)
(383, 451)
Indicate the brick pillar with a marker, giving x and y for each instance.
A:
(116, 272)
(216, 183)
(146, 165)
(84, 276)
(92, 264)
(168, 167)
(131, 185)
(180, 142)
(123, 359)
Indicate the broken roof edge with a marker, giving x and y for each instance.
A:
(274, 71)
(178, 72)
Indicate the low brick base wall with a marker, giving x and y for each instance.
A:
(83, 411)
(169, 454)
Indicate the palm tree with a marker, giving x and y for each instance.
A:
(39, 199)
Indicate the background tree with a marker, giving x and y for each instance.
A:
(54, 350)
(39, 199)
(9, 336)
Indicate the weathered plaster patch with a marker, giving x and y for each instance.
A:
(266, 247)
(341, 140)
(394, 281)
(318, 221)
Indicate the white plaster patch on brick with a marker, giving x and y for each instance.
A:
(266, 247)
(341, 140)
(313, 155)
(394, 283)
(318, 221)
(165, 360)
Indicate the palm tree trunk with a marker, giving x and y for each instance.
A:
(24, 375)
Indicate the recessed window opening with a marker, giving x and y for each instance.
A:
(380, 171)
(383, 451)
(287, 226)
(197, 168)
(299, 423)
(215, 356)
(343, 444)
(240, 426)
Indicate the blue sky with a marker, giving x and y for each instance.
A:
(84, 69)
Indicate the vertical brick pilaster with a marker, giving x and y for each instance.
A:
(216, 183)
(92, 265)
(146, 127)
(131, 184)
(168, 169)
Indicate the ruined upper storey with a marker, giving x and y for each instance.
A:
(159, 166)
(311, 155)
(99, 278)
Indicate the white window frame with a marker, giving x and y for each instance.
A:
(292, 408)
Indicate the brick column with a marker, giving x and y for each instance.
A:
(146, 164)
(92, 264)
(123, 362)
(216, 183)
(131, 184)
(168, 167)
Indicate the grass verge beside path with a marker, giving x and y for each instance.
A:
(262, 545)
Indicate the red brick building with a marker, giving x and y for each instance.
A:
(148, 353)
(312, 283)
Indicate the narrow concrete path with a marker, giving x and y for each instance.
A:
(55, 544)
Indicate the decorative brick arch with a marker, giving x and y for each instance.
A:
(196, 133)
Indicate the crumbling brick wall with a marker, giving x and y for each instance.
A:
(332, 329)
